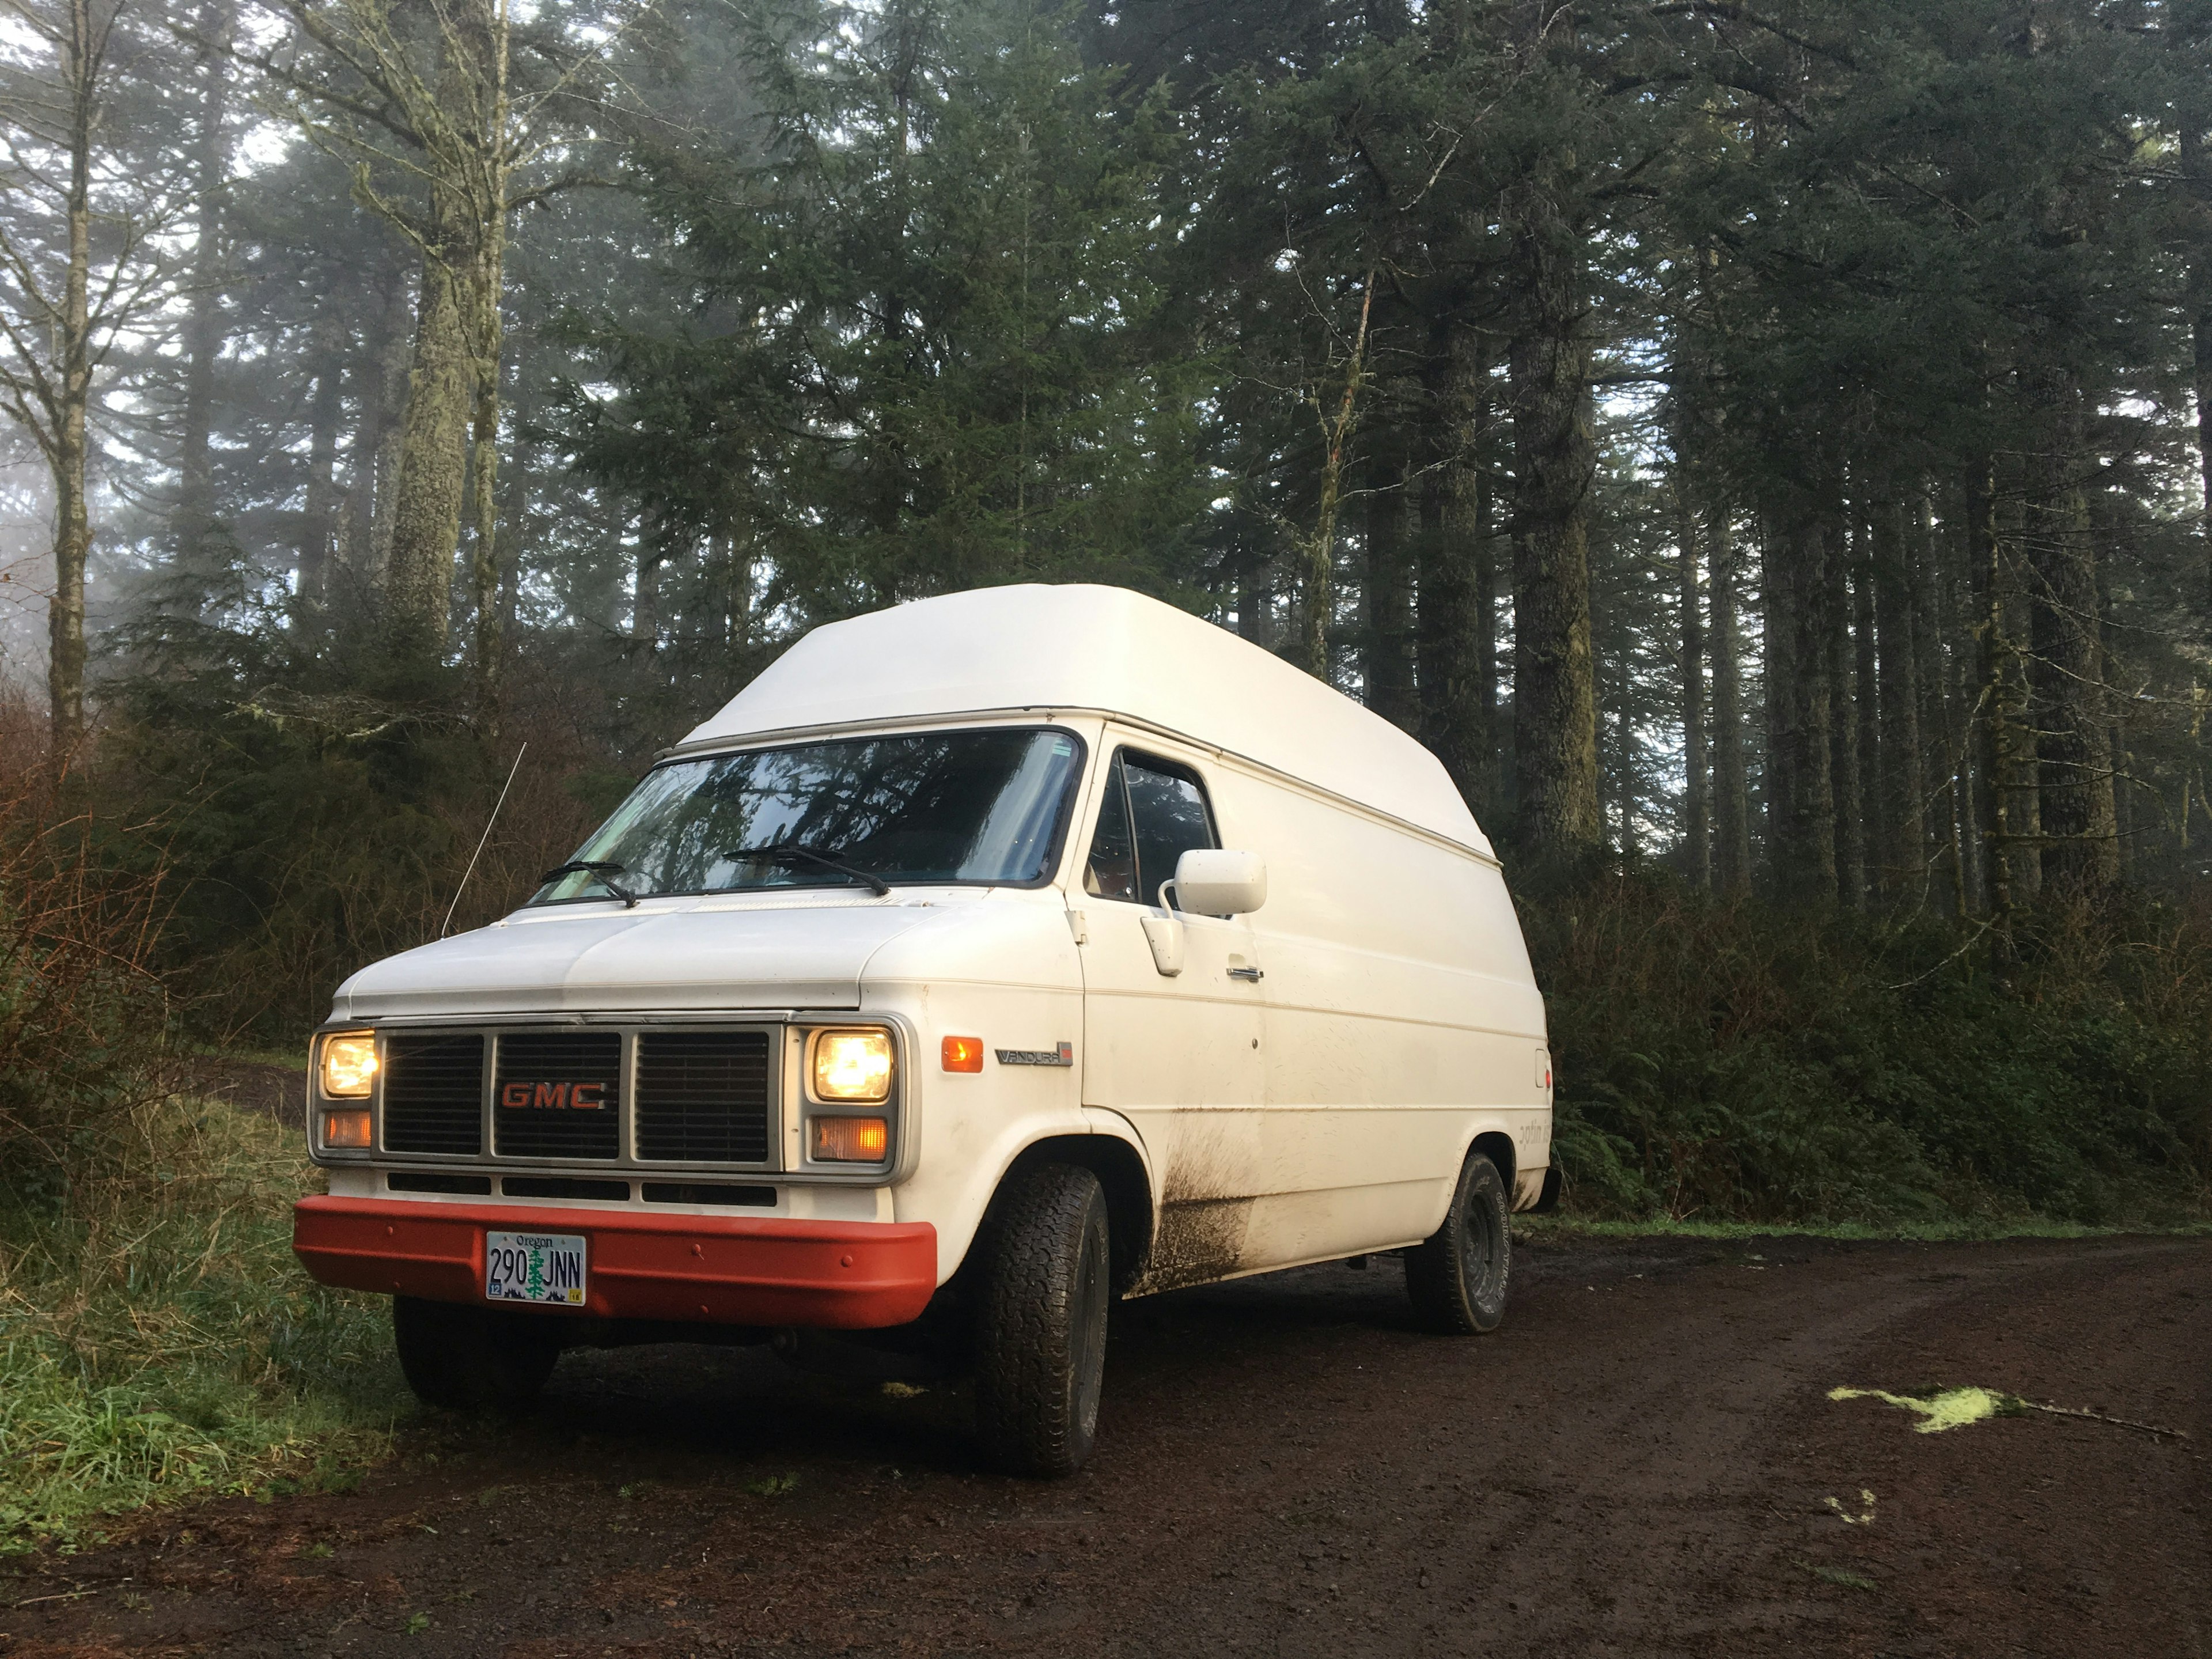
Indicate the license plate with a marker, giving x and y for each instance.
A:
(535, 1267)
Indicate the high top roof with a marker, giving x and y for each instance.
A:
(1038, 647)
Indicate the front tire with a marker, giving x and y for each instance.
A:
(470, 1359)
(1457, 1278)
(1041, 1336)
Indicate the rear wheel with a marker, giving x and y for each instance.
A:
(1041, 1337)
(469, 1358)
(1457, 1278)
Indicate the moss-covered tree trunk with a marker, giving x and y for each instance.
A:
(1387, 638)
(1801, 795)
(1847, 819)
(65, 443)
(1902, 854)
(1554, 692)
(2079, 826)
(1457, 623)
(201, 551)
(1697, 854)
(449, 445)
(1731, 781)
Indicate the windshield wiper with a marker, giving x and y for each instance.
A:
(797, 852)
(601, 870)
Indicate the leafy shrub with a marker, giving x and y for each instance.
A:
(1719, 1057)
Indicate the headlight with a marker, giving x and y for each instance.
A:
(348, 1065)
(852, 1065)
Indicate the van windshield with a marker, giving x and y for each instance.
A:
(983, 807)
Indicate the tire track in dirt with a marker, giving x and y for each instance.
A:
(1637, 1464)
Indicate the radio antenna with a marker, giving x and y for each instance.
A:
(481, 839)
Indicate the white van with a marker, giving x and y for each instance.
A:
(987, 959)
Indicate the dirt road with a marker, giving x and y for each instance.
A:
(1643, 1463)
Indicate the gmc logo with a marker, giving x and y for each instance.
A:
(553, 1096)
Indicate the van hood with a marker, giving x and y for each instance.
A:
(706, 955)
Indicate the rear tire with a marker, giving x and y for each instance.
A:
(1040, 1335)
(1457, 1278)
(469, 1358)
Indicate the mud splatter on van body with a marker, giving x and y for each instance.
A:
(1206, 1208)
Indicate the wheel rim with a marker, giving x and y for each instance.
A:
(1481, 1251)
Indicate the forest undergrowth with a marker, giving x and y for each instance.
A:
(157, 1340)
(1725, 1062)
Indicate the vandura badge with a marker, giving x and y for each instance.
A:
(554, 1096)
(1063, 1055)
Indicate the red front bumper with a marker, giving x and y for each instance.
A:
(847, 1275)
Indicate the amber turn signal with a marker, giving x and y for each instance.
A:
(964, 1053)
(346, 1131)
(851, 1139)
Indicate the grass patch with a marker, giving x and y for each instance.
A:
(159, 1341)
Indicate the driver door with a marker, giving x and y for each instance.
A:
(1178, 1054)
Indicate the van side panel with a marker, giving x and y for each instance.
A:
(1401, 1020)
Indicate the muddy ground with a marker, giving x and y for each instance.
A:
(1642, 1462)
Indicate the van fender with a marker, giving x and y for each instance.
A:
(1499, 1146)
(1108, 1145)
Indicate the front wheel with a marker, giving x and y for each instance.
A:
(468, 1358)
(1457, 1277)
(1041, 1338)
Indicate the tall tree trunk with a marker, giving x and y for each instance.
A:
(1904, 847)
(1802, 813)
(433, 475)
(1387, 653)
(1696, 808)
(319, 523)
(1997, 737)
(514, 487)
(66, 454)
(2201, 332)
(483, 461)
(452, 400)
(201, 552)
(2020, 777)
(1849, 819)
(1554, 694)
(1458, 647)
(386, 347)
(2079, 824)
(1866, 707)
(1731, 789)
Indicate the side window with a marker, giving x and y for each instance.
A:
(1112, 870)
(1168, 817)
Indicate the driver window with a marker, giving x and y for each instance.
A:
(1153, 814)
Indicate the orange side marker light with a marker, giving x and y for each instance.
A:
(964, 1053)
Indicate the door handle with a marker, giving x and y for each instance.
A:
(1253, 975)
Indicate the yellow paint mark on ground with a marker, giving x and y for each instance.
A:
(1953, 1408)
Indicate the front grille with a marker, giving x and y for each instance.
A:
(702, 1097)
(542, 1077)
(434, 1094)
(686, 1192)
(563, 1187)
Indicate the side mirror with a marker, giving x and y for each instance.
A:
(1212, 881)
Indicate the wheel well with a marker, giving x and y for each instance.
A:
(1129, 1194)
(1499, 1148)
